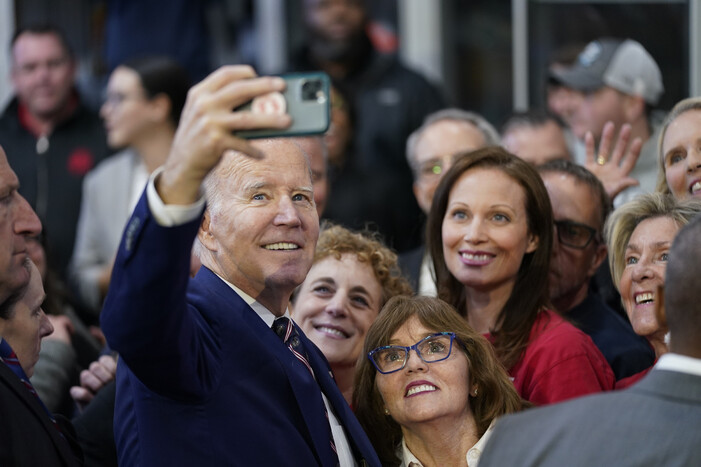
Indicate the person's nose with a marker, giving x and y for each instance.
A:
(475, 231)
(447, 163)
(26, 221)
(693, 159)
(337, 306)
(287, 213)
(46, 327)
(104, 109)
(414, 362)
(642, 271)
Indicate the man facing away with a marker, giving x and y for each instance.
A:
(51, 139)
(580, 207)
(655, 422)
(202, 377)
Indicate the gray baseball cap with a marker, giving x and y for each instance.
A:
(622, 65)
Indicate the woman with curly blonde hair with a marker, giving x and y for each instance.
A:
(352, 277)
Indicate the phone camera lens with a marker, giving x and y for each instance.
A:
(312, 90)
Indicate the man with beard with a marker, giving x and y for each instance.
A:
(580, 207)
(390, 101)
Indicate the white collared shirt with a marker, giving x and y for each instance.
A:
(680, 363)
(172, 215)
(472, 457)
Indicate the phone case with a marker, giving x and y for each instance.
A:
(306, 100)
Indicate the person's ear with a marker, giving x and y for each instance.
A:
(160, 107)
(533, 243)
(205, 235)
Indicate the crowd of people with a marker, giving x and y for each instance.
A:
(412, 288)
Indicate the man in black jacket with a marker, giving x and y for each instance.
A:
(50, 138)
(389, 101)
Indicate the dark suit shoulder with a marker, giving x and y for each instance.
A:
(26, 430)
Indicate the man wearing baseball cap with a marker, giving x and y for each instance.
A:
(617, 81)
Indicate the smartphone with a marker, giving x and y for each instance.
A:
(305, 99)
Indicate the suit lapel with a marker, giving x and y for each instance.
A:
(359, 441)
(32, 404)
(305, 389)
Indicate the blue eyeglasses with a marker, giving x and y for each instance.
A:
(430, 349)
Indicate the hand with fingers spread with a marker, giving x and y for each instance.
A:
(207, 127)
(613, 167)
(100, 372)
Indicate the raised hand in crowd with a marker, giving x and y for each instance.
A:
(613, 166)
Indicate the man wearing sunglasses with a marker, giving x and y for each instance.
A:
(580, 206)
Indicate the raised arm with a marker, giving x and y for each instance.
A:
(206, 129)
(165, 342)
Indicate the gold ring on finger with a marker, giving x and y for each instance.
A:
(601, 160)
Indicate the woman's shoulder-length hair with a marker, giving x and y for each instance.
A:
(530, 293)
(496, 393)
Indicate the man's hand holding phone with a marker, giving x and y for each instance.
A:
(305, 99)
(208, 127)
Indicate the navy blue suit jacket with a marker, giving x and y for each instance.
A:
(201, 379)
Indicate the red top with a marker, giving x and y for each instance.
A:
(559, 363)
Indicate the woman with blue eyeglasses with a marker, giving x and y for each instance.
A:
(429, 387)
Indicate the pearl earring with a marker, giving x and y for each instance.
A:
(386, 411)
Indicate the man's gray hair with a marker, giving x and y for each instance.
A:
(490, 134)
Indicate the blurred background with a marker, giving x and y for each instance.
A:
(490, 56)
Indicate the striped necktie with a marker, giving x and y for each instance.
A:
(286, 331)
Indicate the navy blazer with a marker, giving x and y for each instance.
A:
(27, 434)
(202, 380)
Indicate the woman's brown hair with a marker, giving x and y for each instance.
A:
(496, 393)
(530, 293)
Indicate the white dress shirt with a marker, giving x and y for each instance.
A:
(472, 457)
(680, 363)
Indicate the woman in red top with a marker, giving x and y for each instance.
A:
(490, 233)
(639, 235)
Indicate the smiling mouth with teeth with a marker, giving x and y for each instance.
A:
(644, 298)
(475, 257)
(281, 246)
(421, 388)
(695, 188)
(331, 331)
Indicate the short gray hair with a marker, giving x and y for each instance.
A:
(490, 134)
